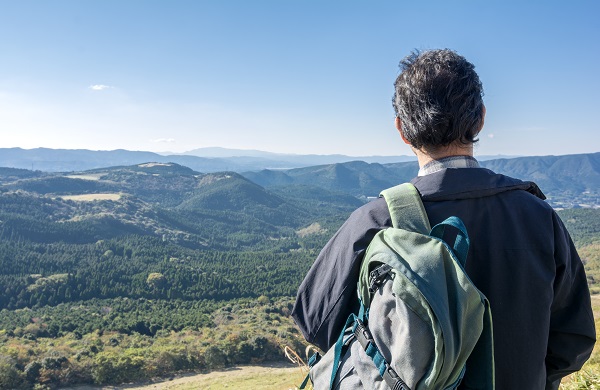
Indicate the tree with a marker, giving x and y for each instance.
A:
(156, 280)
(10, 376)
(214, 357)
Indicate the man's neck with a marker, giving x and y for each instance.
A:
(424, 157)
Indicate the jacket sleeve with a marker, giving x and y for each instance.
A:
(572, 330)
(327, 295)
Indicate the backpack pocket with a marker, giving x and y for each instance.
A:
(356, 370)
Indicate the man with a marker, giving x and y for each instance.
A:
(521, 256)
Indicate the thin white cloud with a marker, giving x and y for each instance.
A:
(490, 135)
(163, 140)
(99, 87)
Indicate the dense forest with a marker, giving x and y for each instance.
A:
(105, 272)
(131, 272)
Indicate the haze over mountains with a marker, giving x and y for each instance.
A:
(201, 160)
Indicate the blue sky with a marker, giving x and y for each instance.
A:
(287, 76)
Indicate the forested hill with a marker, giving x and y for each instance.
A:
(163, 199)
(559, 176)
(357, 177)
(100, 233)
(568, 181)
(132, 272)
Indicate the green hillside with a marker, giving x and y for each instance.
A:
(228, 238)
(117, 282)
(579, 173)
(8, 175)
(584, 227)
(122, 273)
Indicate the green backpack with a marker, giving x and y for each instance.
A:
(422, 322)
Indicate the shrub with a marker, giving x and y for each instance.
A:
(214, 357)
(10, 376)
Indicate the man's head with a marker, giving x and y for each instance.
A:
(438, 100)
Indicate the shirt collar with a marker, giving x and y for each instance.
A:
(448, 162)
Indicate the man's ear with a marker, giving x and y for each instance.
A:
(482, 119)
(398, 124)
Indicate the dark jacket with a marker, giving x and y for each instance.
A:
(521, 257)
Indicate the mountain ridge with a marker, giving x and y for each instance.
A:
(201, 160)
(568, 181)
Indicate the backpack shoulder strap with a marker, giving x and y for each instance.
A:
(406, 208)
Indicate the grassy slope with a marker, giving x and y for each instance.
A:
(265, 378)
(284, 378)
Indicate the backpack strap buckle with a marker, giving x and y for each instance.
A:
(363, 334)
(393, 380)
(377, 276)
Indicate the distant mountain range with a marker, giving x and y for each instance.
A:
(568, 181)
(202, 160)
(215, 209)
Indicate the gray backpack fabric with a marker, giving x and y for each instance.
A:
(422, 322)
